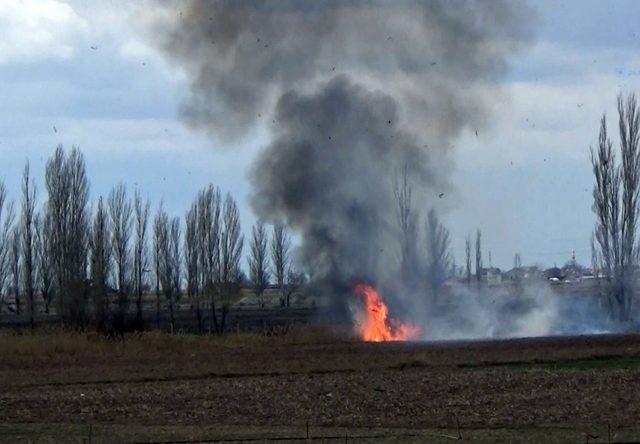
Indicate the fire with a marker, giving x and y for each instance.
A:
(374, 326)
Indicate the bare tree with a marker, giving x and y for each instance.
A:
(605, 206)
(78, 219)
(408, 231)
(295, 280)
(175, 234)
(231, 242)
(6, 222)
(209, 227)
(100, 244)
(16, 265)
(163, 260)
(68, 195)
(44, 270)
(120, 221)
(159, 235)
(191, 252)
(167, 235)
(58, 189)
(595, 257)
(629, 125)
(280, 246)
(258, 261)
(615, 203)
(140, 258)
(438, 253)
(467, 251)
(28, 242)
(453, 271)
(478, 255)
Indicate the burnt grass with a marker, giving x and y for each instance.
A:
(249, 385)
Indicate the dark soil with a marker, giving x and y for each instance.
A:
(529, 386)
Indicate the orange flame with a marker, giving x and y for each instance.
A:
(374, 326)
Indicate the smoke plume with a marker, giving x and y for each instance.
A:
(441, 59)
(327, 172)
(352, 91)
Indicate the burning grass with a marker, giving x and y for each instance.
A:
(373, 323)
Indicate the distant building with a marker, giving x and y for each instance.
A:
(573, 271)
(553, 274)
(528, 272)
(491, 275)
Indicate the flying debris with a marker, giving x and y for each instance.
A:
(55, 130)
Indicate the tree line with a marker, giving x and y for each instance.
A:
(89, 263)
(426, 261)
(614, 245)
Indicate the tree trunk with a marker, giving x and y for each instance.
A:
(17, 297)
(172, 320)
(225, 310)
(214, 320)
(139, 310)
(157, 309)
(199, 317)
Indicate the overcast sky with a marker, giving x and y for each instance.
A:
(82, 73)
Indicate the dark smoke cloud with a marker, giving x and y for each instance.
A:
(360, 89)
(438, 57)
(328, 173)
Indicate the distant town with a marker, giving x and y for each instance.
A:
(572, 276)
